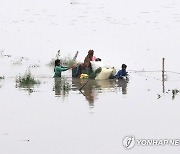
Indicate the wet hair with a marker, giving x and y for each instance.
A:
(124, 66)
(57, 61)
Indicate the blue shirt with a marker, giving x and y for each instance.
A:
(121, 73)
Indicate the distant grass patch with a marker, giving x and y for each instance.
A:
(66, 61)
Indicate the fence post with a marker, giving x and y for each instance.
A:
(163, 70)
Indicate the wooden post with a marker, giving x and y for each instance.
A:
(163, 70)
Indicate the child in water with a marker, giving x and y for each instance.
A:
(121, 73)
(58, 68)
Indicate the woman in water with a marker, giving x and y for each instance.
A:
(58, 68)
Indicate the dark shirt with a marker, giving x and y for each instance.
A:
(121, 73)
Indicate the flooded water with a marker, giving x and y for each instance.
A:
(55, 116)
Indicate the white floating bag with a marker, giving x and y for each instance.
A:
(96, 64)
(105, 72)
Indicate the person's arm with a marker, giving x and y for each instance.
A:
(60, 69)
(63, 68)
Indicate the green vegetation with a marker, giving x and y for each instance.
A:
(1, 77)
(65, 61)
(27, 82)
(27, 79)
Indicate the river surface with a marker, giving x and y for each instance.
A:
(48, 118)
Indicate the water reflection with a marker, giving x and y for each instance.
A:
(28, 88)
(61, 87)
(91, 90)
(122, 84)
(95, 87)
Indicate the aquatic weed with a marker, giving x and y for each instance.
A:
(1, 77)
(27, 79)
(27, 82)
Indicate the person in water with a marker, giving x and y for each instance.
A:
(84, 67)
(58, 68)
(121, 73)
(90, 57)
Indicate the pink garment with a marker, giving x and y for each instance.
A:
(93, 58)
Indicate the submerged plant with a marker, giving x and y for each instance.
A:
(27, 79)
(26, 82)
(1, 77)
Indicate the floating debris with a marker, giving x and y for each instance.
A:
(25, 140)
(159, 96)
(7, 56)
(1, 53)
(174, 93)
(17, 62)
(34, 66)
(1, 77)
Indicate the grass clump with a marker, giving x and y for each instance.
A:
(1, 77)
(27, 79)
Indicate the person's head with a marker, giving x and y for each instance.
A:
(57, 62)
(124, 66)
(91, 52)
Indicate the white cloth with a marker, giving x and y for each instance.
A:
(96, 64)
(104, 74)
